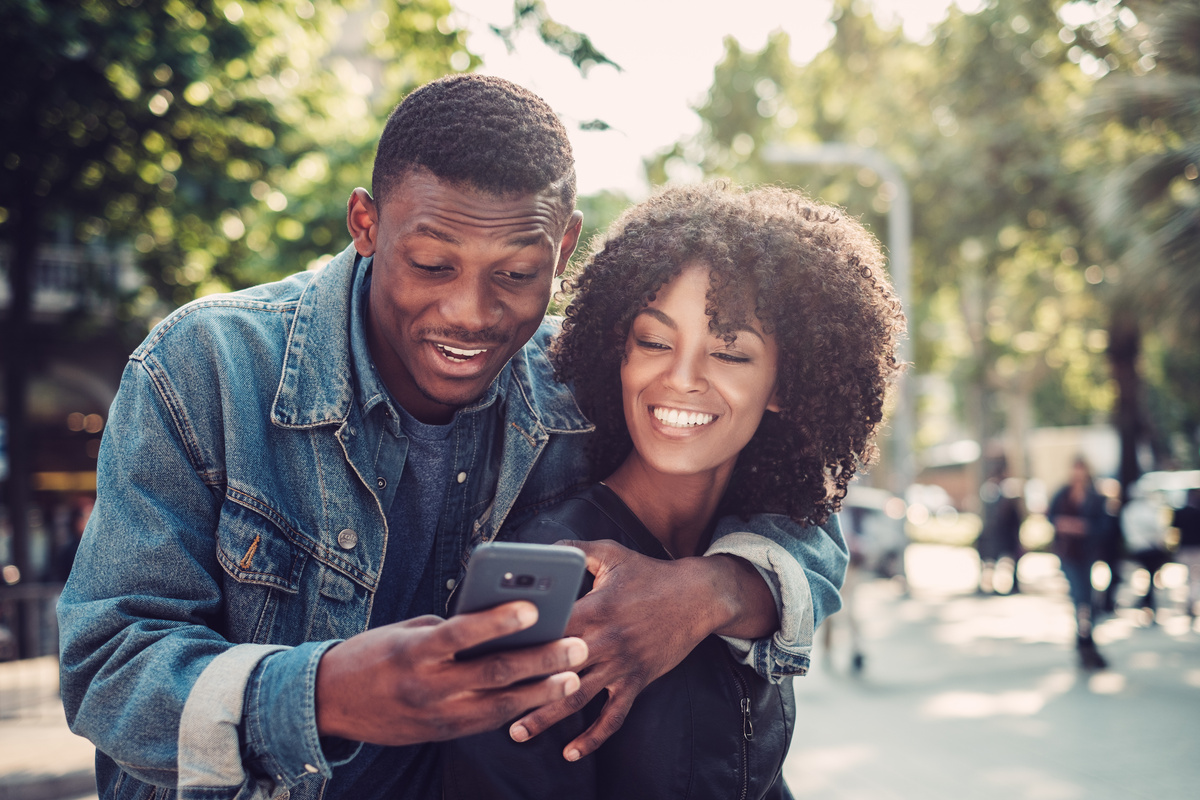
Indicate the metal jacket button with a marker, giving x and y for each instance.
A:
(462, 476)
(347, 539)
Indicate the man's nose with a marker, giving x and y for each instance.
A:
(471, 304)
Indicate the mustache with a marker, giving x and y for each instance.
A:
(488, 337)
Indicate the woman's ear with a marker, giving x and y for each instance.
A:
(773, 401)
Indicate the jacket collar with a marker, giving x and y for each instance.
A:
(317, 384)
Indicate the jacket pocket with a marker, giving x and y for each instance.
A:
(264, 570)
(252, 548)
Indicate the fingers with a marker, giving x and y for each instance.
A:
(601, 555)
(550, 714)
(498, 670)
(611, 718)
(467, 630)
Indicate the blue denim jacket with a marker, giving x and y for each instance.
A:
(238, 521)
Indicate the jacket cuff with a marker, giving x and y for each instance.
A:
(210, 753)
(281, 718)
(788, 650)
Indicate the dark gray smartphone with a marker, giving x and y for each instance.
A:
(547, 575)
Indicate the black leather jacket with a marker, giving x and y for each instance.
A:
(710, 728)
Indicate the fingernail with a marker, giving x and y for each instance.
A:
(526, 615)
(577, 653)
(518, 733)
(573, 755)
(571, 685)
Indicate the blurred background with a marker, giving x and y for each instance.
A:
(1032, 166)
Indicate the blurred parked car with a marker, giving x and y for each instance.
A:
(873, 521)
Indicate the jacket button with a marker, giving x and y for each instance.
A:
(381, 482)
(450, 584)
(310, 767)
(347, 539)
(462, 476)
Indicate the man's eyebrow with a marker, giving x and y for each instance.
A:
(517, 240)
(434, 233)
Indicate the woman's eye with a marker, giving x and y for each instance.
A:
(649, 345)
(732, 358)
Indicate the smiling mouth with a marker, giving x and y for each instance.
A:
(674, 418)
(459, 355)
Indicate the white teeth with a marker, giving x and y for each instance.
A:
(458, 352)
(681, 419)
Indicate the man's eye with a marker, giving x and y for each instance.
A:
(518, 277)
(432, 268)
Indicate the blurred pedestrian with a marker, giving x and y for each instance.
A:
(1003, 513)
(1077, 513)
(1145, 531)
(1187, 520)
(64, 557)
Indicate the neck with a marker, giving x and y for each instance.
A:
(677, 509)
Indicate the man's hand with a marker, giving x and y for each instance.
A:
(399, 684)
(642, 617)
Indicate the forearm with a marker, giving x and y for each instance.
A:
(744, 605)
(803, 568)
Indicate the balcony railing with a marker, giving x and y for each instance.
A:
(74, 277)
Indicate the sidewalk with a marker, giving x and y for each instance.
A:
(963, 697)
(966, 696)
(40, 759)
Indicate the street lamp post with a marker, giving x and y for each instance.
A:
(899, 242)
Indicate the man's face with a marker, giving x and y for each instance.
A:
(460, 282)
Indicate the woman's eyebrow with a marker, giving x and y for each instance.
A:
(670, 323)
(750, 330)
(658, 315)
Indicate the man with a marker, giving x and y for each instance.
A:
(293, 476)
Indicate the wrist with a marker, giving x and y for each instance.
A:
(741, 603)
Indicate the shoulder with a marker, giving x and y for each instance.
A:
(590, 515)
(262, 311)
(531, 374)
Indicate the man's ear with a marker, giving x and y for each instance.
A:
(362, 219)
(569, 241)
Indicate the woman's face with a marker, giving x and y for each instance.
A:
(693, 401)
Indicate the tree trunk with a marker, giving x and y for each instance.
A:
(1124, 347)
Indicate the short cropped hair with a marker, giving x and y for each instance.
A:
(479, 131)
(813, 277)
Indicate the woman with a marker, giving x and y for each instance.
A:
(734, 349)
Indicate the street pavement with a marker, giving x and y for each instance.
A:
(967, 697)
(961, 697)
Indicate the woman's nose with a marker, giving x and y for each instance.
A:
(686, 373)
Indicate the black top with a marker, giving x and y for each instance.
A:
(709, 728)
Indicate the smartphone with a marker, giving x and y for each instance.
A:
(547, 575)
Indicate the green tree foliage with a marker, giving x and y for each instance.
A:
(215, 135)
(1147, 209)
(982, 120)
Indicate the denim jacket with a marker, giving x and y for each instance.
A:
(239, 523)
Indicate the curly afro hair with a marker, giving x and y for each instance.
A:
(477, 130)
(818, 285)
